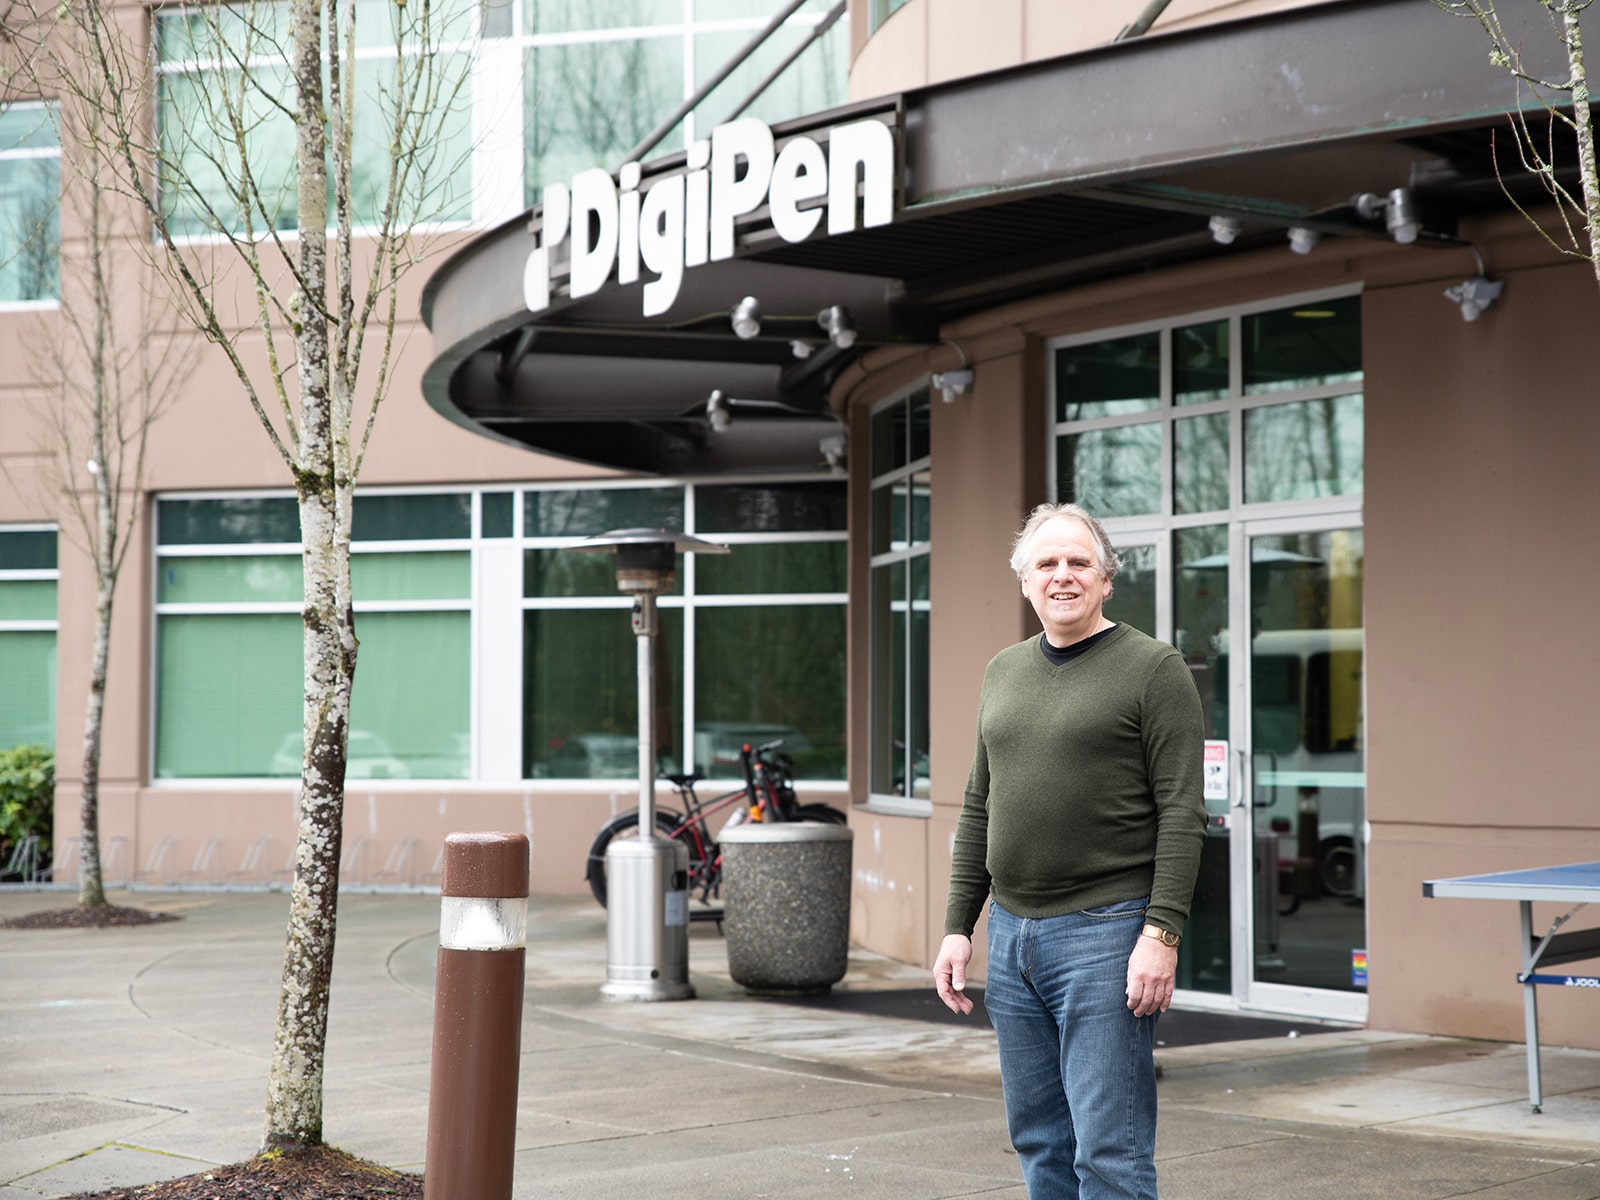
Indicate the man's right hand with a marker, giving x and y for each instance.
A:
(950, 972)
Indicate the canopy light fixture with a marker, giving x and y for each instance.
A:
(836, 323)
(1474, 295)
(953, 383)
(746, 317)
(801, 348)
(718, 411)
(1399, 212)
(1224, 229)
(1303, 240)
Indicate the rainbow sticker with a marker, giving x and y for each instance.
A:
(1358, 968)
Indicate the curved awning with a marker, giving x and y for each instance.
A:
(1082, 167)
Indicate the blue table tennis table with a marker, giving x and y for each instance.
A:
(1576, 884)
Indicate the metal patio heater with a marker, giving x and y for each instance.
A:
(647, 879)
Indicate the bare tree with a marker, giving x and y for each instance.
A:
(107, 369)
(252, 141)
(1558, 111)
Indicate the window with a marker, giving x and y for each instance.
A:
(752, 644)
(599, 75)
(229, 664)
(27, 636)
(204, 90)
(882, 10)
(1202, 417)
(30, 192)
(901, 525)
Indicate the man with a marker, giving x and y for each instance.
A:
(1084, 819)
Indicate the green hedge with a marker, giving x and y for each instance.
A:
(27, 798)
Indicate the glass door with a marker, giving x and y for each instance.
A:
(1299, 867)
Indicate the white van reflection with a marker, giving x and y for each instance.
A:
(369, 757)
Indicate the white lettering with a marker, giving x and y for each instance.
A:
(628, 227)
(697, 205)
(868, 145)
(661, 243)
(731, 197)
(801, 173)
(686, 220)
(594, 212)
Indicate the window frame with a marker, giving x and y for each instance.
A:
(877, 801)
(37, 575)
(43, 303)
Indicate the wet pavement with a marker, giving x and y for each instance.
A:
(132, 1055)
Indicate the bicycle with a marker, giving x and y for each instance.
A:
(767, 794)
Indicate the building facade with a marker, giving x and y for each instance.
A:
(1195, 280)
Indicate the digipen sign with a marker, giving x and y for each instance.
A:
(687, 220)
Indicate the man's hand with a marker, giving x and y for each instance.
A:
(950, 972)
(1152, 967)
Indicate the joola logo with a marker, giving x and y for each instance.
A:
(686, 220)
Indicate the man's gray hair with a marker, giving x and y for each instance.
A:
(1022, 547)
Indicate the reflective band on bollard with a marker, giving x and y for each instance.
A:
(477, 1017)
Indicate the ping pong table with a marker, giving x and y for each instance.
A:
(1576, 884)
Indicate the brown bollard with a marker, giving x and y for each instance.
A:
(477, 1017)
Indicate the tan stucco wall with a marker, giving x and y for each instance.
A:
(933, 41)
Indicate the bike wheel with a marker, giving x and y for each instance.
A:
(624, 825)
(823, 813)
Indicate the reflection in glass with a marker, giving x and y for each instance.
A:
(1303, 450)
(769, 507)
(558, 573)
(1308, 760)
(405, 655)
(798, 694)
(773, 567)
(416, 516)
(1200, 463)
(30, 204)
(1133, 595)
(919, 745)
(580, 698)
(813, 82)
(1200, 631)
(1200, 362)
(1304, 346)
(1111, 472)
(592, 102)
(1108, 379)
(888, 639)
(584, 512)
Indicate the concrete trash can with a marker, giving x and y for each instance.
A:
(786, 896)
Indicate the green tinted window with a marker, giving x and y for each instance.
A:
(797, 695)
(27, 600)
(411, 518)
(1133, 600)
(228, 696)
(230, 578)
(580, 699)
(784, 567)
(1108, 379)
(558, 573)
(30, 193)
(813, 82)
(563, 16)
(498, 509)
(228, 521)
(444, 575)
(28, 550)
(28, 699)
(584, 512)
(770, 507)
(1304, 346)
(1111, 472)
(410, 712)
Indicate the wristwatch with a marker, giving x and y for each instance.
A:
(1164, 936)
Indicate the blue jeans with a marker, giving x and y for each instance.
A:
(1078, 1067)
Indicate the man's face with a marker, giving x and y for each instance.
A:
(1064, 582)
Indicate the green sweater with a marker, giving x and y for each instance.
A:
(1086, 784)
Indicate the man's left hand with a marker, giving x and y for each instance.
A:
(1151, 970)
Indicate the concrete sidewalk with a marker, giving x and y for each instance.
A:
(132, 1055)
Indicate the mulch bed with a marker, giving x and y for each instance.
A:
(320, 1173)
(102, 916)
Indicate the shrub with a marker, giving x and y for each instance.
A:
(27, 798)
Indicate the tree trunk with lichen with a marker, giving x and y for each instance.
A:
(1583, 119)
(323, 485)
